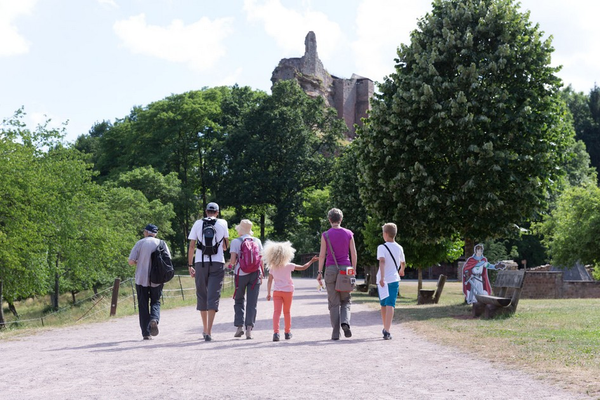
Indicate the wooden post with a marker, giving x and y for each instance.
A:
(133, 294)
(440, 287)
(181, 287)
(115, 297)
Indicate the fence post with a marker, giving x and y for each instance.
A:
(181, 287)
(115, 297)
(133, 294)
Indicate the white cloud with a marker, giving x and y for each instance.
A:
(12, 42)
(230, 79)
(109, 3)
(289, 27)
(382, 25)
(199, 45)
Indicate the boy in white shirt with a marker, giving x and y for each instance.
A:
(389, 255)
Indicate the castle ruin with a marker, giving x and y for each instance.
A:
(350, 97)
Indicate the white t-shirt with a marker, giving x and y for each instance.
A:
(235, 248)
(391, 268)
(222, 232)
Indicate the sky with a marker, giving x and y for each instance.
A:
(79, 62)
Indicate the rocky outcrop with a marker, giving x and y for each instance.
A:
(350, 97)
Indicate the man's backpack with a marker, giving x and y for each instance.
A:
(250, 257)
(208, 243)
(161, 268)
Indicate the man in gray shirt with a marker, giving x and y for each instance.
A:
(148, 293)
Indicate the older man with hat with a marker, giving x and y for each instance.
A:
(245, 283)
(208, 269)
(148, 293)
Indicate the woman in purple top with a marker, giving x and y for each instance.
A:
(344, 249)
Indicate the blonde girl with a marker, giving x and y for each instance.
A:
(278, 256)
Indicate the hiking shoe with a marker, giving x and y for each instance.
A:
(239, 332)
(207, 337)
(276, 337)
(347, 331)
(154, 327)
(288, 335)
(248, 332)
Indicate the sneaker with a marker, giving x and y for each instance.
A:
(276, 337)
(207, 337)
(347, 331)
(239, 332)
(147, 337)
(203, 335)
(154, 327)
(288, 335)
(335, 338)
(386, 335)
(248, 332)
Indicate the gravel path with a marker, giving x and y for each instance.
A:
(110, 361)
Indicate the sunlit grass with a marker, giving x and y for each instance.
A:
(555, 338)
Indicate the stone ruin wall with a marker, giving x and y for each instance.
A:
(350, 97)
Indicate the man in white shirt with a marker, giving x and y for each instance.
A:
(208, 269)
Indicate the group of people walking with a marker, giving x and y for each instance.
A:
(209, 239)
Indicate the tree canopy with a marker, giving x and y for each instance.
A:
(467, 133)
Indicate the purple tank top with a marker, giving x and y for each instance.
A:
(340, 241)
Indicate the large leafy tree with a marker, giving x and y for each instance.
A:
(586, 119)
(21, 194)
(283, 148)
(572, 230)
(467, 133)
(176, 135)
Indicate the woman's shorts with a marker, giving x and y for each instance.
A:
(391, 299)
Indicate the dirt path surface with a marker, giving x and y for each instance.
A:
(110, 361)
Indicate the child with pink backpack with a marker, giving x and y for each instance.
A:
(278, 256)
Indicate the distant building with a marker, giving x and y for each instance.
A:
(350, 97)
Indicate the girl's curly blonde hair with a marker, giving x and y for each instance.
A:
(278, 254)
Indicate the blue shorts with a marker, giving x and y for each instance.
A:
(391, 299)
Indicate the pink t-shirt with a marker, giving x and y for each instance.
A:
(282, 278)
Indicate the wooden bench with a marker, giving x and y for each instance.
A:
(490, 306)
(429, 296)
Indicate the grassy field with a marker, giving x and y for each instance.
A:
(555, 339)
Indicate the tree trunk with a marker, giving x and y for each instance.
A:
(73, 294)
(420, 275)
(262, 227)
(13, 309)
(469, 247)
(2, 321)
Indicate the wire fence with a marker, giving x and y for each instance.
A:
(106, 302)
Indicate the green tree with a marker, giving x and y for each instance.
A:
(586, 119)
(177, 135)
(467, 133)
(279, 152)
(21, 194)
(571, 232)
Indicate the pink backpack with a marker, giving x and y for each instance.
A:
(250, 257)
